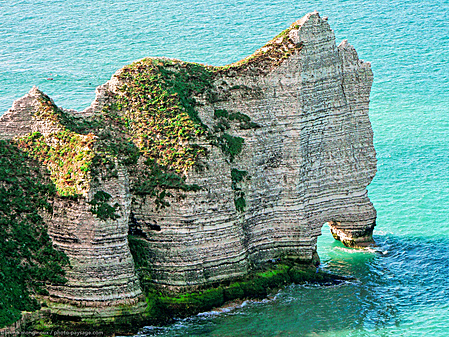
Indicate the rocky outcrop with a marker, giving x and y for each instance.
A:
(101, 272)
(235, 166)
(309, 163)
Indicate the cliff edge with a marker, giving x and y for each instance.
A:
(181, 177)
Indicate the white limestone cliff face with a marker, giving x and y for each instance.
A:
(308, 163)
(101, 272)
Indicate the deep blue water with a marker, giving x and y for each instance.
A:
(403, 287)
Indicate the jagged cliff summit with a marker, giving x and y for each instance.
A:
(182, 176)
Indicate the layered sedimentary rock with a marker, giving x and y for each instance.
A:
(276, 145)
(309, 163)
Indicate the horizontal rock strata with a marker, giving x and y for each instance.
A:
(309, 163)
(285, 145)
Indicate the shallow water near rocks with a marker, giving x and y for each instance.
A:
(402, 286)
(396, 293)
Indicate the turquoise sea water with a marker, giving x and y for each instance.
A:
(402, 286)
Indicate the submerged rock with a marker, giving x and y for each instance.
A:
(213, 170)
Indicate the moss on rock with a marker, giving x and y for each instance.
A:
(256, 285)
(163, 306)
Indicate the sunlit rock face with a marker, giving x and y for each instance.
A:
(299, 153)
(309, 163)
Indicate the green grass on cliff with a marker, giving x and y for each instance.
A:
(66, 152)
(67, 155)
(271, 55)
(153, 114)
(28, 260)
(156, 108)
(141, 256)
(244, 120)
(101, 208)
(156, 103)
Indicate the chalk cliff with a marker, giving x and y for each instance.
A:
(212, 170)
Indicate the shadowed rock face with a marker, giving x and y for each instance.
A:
(285, 145)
